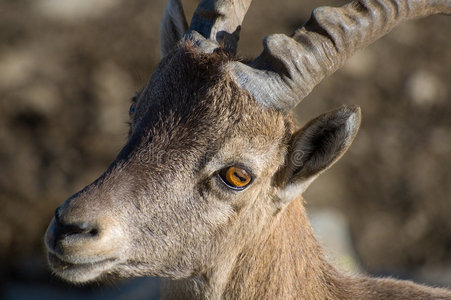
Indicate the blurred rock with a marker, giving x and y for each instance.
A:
(361, 64)
(439, 141)
(73, 10)
(332, 231)
(39, 98)
(424, 88)
(405, 34)
(16, 67)
(112, 87)
(436, 275)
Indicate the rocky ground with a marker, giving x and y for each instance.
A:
(68, 68)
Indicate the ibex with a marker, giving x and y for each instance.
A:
(207, 190)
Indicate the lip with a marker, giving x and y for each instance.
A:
(79, 271)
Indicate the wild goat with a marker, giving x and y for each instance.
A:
(207, 190)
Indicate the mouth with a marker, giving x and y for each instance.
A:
(79, 272)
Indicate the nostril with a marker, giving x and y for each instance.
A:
(74, 229)
(62, 230)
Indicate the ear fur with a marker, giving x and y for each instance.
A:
(173, 26)
(317, 146)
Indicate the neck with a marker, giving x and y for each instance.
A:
(285, 263)
(288, 263)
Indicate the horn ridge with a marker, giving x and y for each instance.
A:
(220, 21)
(290, 67)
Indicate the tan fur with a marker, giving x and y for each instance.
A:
(161, 208)
(287, 263)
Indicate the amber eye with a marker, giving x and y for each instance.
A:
(236, 177)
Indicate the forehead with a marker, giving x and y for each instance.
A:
(183, 81)
(191, 108)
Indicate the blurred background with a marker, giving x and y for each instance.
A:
(69, 67)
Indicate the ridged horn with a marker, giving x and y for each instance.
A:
(290, 67)
(218, 21)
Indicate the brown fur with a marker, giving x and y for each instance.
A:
(161, 210)
(288, 263)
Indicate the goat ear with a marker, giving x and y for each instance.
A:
(316, 147)
(173, 26)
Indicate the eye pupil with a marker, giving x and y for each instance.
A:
(239, 176)
(236, 177)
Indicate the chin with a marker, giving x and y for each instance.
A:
(80, 272)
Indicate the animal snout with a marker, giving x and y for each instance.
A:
(63, 234)
(82, 229)
(87, 228)
(82, 243)
(82, 236)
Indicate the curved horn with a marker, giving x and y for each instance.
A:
(290, 67)
(219, 21)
